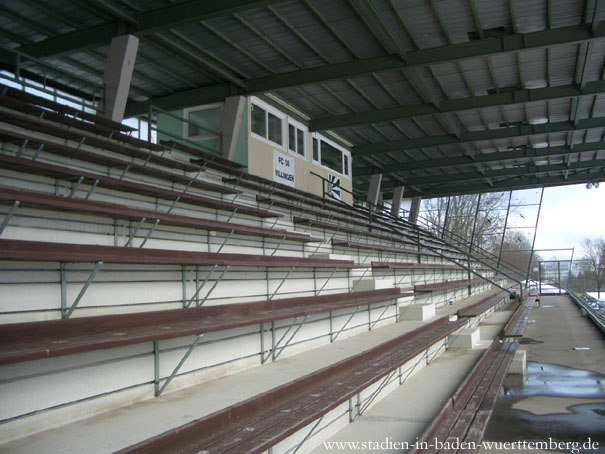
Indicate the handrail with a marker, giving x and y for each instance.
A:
(597, 318)
(18, 71)
(511, 268)
(461, 251)
(194, 144)
(323, 187)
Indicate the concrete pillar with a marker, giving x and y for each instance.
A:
(118, 73)
(231, 122)
(374, 191)
(414, 209)
(396, 205)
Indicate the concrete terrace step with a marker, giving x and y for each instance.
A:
(404, 415)
(255, 425)
(111, 431)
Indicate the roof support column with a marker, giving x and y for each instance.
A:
(397, 197)
(231, 122)
(118, 74)
(414, 210)
(374, 190)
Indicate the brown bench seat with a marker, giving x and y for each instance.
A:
(308, 207)
(515, 327)
(255, 425)
(69, 253)
(401, 239)
(21, 342)
(378, 247)
(475, 310)
(420, 266)
(82, 155)
(57, 107)
(465, 415)
(77, 122)
(448, 285)
(206, 157)
(39, 200)
(66, 173)
(94, 141)
(343, 228)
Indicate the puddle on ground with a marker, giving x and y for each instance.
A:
(547, 306)
(576, 423)
(529, 341)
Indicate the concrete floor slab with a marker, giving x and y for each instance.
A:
(403, 414)
(562, 397)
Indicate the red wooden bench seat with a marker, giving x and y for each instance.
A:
(378, 247)
(465, 415)
(255, 425)
(475, 310)
(402, 265)
(70, 152)
(43, 102)
(518, 322)
(94, 141)
(20, 342)
(450, 285)
(207, 158)
(66, 173)
(49, 201)
(69, 253)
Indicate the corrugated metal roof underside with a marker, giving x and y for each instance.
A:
(411, 102)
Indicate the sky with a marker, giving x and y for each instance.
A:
(569, 214)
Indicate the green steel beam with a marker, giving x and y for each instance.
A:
(424, 57)
(526, 182)
(143, 23)
(416, 58)
(482, 158)
(499, 173)
(182, 99)
(457, 105)
(476, 136)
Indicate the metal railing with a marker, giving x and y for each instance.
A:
(597, 317)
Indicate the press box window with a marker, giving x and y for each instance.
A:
(275, 129)
(266, 125)
(259, 121)
(296, 140)
(203, 123)
(331, 157)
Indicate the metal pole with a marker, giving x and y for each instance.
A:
(510, 196)
(570, 265)
(559, 271)
(447, 210)
(531, 255)
(470, 247)
(149, 114)
(540, 278)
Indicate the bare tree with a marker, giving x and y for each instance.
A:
(516, 252)
(594, 259)
(456, 216)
